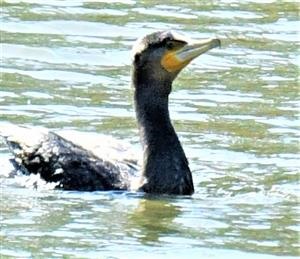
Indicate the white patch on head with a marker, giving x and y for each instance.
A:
(179, 37)
(138, 47)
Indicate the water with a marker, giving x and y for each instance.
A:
(66, 64)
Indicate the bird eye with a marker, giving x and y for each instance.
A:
(170, 44)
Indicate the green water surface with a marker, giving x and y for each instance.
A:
(66, 65)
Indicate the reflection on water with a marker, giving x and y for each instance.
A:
(148, 230)
(66, 64)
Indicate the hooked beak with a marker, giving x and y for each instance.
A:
(174, 61)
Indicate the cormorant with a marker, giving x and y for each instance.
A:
(157, 59)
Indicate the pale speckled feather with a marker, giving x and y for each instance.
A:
(102, 146)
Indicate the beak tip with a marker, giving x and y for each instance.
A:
(217, 43)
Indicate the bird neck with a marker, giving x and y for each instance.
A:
(153, 120)
(165, 167)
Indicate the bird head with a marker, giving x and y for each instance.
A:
(160, 56)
